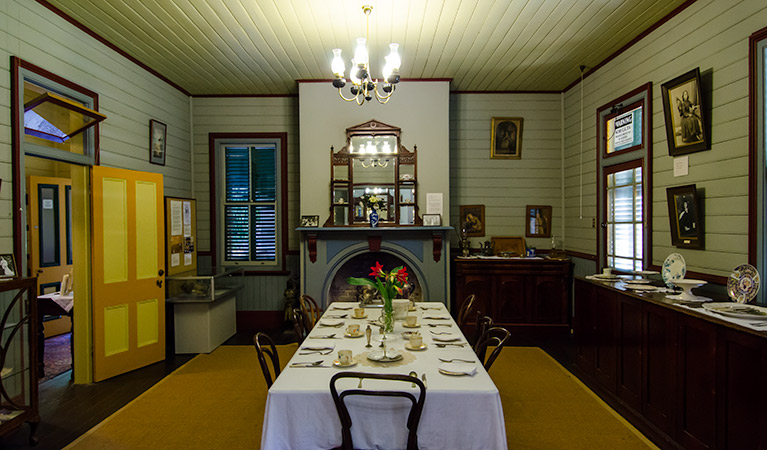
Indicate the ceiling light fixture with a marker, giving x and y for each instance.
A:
(364, 88)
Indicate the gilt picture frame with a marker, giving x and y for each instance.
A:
(506, 138)
(683, 109)
(472, 219)
(685, 217)
(157, 142)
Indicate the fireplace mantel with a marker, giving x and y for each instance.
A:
(324, 250)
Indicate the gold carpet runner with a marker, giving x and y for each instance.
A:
(216, 401)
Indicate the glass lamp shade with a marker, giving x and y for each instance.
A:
(361, 53)
(337, 65)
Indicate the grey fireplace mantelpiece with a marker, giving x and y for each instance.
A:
(424, 250)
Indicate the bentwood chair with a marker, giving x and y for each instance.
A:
(416, 408)
(265, 346)
(494, 336)
(465, 310)
(299, 325)
(482, 323)
(310, 309)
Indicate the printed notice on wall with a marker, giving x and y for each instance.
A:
(175, 259)
(187, 213)
(434, 203)
(176, 220)
(187, 259)
(681, 166)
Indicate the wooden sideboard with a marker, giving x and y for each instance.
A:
(522, 295)
(683, 378)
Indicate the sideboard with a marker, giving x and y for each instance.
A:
(684, 378)
(520, 294)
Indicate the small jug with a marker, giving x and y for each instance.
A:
(487, 248)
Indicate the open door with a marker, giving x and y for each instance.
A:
(128, 271)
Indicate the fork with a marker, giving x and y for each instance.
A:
(439, 324)
(321, 352)
(306, 364)
(439, 332)
(455, 359)
(446, 344)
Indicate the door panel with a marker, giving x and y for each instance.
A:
(49, 237)
(128, 263)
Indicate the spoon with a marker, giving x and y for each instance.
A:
(413, 374)
(455, 359)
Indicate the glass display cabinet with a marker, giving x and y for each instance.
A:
(18, 356)
(203, 286)
(373, 171)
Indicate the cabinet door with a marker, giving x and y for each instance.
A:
(697, 384)
(659, 367)
(510, 304)
(482, 287)
(548, 303)
(629, 376)
(741, 400)
(584, 326)
(605, 362)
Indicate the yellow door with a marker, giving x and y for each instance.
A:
(50, 237)
(128, 271)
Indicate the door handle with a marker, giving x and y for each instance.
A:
(39, 270)
(161, 272)
(159, 283)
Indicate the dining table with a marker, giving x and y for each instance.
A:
(462, 408)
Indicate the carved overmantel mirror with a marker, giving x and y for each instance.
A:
(373, 171)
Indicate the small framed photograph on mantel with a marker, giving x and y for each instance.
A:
(432, 220)
(310, 221)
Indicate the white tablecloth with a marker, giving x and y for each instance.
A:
(459, 412)
(64, 301)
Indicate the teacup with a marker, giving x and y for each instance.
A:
(345, 357)
(607, 271)
(416, 340)
(353, 328)
(359, 312)
(411, 320)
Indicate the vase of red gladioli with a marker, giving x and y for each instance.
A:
(388, 284)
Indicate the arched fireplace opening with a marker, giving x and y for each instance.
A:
(360, 266)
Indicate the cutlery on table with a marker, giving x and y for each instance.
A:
(304, 367)
(306, 364)
(339, 316)
(436, 318)
(321, 352)
(439, 324)
(343, 308)
(446, 344)
(439, 332)
(455, 359)
(324, 336)
(436, 308)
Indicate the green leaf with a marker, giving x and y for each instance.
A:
(360, 282)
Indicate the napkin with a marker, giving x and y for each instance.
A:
(445, 337)
(459, 367)
(323, 346)
(331, 322)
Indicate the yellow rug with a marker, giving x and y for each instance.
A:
(216, 401)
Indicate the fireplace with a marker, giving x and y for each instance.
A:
(330, 255)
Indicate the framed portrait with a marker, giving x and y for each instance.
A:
(473, 219)
(7, 266)
(683, 107)
(157, 137)
(685, 217)
(506, 138)
(538, 221)
(310, 221)
(432, 220)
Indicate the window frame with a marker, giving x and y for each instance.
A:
(611, 170)
(216, 143)
(626, 158)
(757, 195)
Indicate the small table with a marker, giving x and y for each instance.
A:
(459, 412)
(53, 304)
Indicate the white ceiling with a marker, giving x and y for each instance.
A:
(264, 46)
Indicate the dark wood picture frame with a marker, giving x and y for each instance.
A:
(506, 138)
(685, 217)
(158, 133)
(683, 110)
(8, 264)
(538, 221)
(472, 219)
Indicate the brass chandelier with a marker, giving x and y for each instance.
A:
(364, 88)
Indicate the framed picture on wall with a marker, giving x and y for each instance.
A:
(157, 136)
(685, 217)
(7, 266)
(432, 220)
(473, 219)
(310, 221)
(538, 221)
(506, 138)
(686, 127)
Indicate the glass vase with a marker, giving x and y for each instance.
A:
(387, 316)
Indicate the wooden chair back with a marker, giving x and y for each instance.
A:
(481, 324)
(465, 311)
(299, 325)
(311, 310)
(495, 336)
(416, 408)
(265, 346)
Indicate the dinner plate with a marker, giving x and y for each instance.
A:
(445, 338)
(331, 322)
(603, 276)
(391, 356)
(646, 272)
(410, 347)
(674, 268)
(418, 325)
(639, 281)
(349, 335)
(457, 369)
(318, 347)
(743, 283)
(337, 363)
(641, 287)
(737, 310)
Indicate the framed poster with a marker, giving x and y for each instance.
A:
(506, 138)
(686, 128)
(685, 217)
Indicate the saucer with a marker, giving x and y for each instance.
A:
(409, 347)
(337, 363)
(412, 308)
(418, 325)
(364, 316)
(349, 335)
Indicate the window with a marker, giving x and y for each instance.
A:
(757, 239)
(250, 202)
(623, 157)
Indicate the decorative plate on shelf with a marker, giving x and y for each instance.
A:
(674, 268)
(743, 283)
(606, 276)
(737, 310)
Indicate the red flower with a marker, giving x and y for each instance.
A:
(377, 270)
(402, 275)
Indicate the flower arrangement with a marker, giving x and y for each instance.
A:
(388, 284)
(373, 201)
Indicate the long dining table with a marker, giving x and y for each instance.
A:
(460, 412)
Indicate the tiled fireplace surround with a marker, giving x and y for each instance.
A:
(329, 255)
